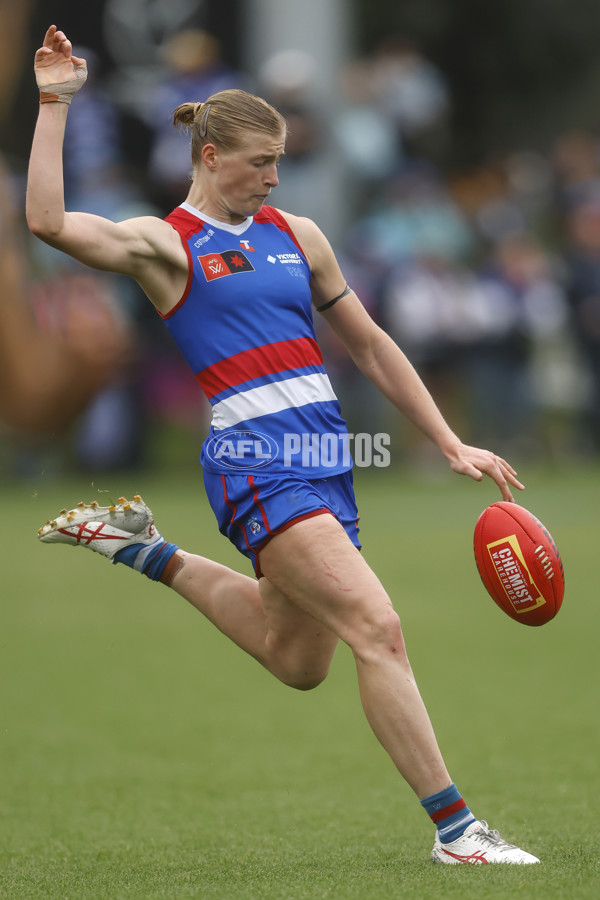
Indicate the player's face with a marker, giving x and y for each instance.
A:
(247, 176)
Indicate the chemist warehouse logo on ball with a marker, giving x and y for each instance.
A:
(230, 262)
(516, 579)
(253, 450)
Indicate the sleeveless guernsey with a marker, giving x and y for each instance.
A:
(245, 327)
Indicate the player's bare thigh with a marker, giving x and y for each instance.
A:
(318, 568)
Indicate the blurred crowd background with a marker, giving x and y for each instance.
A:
(450, 152)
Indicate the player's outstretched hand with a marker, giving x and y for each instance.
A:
(54, 62)
(476, 463)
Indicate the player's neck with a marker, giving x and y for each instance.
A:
(203, 201)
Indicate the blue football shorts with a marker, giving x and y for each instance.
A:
(251, 509)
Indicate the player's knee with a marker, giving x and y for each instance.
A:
(379, 632)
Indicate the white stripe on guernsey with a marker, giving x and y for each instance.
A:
(272, 398)
(466, 821)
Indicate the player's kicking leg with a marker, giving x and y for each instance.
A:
(254, 615)
(123, 532)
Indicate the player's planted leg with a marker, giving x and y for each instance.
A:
(349, 599)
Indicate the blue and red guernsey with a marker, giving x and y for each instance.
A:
(245, 327)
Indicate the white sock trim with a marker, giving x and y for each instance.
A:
(143, 554)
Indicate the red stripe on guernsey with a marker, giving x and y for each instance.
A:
(263, 513)
(265, 360)
(185, 225)
(270, 214)
(447, 811)
(233, 509)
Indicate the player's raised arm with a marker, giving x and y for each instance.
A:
(59, 76)
(98, 242)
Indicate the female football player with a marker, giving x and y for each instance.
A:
(236, 282)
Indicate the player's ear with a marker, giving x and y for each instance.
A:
(209, 156)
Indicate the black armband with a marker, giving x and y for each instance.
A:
(335, 300)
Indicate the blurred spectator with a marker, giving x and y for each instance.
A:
(583, 259)
(517, 303)
(306, 184)
(402, 99)
(473, 335)
(576, 160)
(508, 196)
(414, 245)
(96, 179)
(483, 195)
(368, 139)
(530, 181)
(414, 216)
(427, 310)
(14, 21)
(412, 92)
(193, 70)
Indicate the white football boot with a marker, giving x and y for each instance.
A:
(104, 529)
(479, 845)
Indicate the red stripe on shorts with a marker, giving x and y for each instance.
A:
(257, 502)
(233, 507)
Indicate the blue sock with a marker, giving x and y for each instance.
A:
(150, 559)
(449, 812)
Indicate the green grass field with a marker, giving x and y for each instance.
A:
(143, 756)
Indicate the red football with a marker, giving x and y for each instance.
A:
(519, 563)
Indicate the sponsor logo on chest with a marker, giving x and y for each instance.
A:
(289, 259)
(205, 238)
(230, 262)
